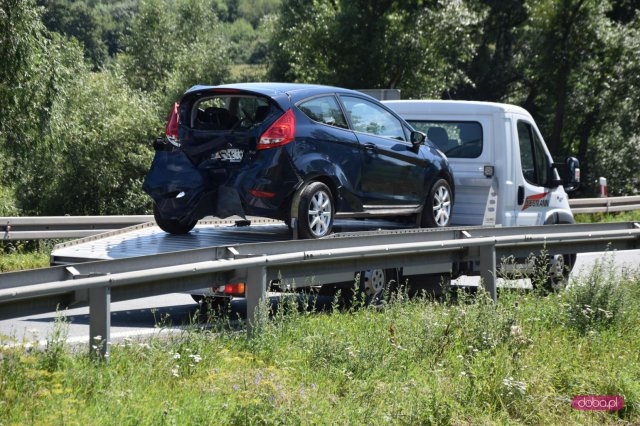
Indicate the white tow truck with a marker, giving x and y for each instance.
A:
(503, 171)
(504, 176)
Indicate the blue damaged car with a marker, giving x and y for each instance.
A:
(305, 154)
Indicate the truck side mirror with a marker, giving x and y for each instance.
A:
(417, 138)
(566, 174)
(572, 179)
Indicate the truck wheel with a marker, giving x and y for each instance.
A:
(559, 268)
(371, 286)
(212, 303)
(172, 226)
(316, 211)
(428, 284)
(436, 212)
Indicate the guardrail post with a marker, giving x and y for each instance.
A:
(255, 292)
(99, 321)
(488, 270)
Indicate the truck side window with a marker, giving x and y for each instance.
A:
(462, 139)
(534, 160)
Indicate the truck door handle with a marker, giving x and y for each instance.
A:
(520, 195)
(370, 146)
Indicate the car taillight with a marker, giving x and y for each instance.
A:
(279, 133)
(171, 131)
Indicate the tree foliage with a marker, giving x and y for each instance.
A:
(96, 152)
(187, 48)
(359, 44)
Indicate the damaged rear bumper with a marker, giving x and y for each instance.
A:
(185, 192)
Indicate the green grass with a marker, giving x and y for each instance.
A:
(631, 216)
(412, 362)
(22, 255)
(22, 261)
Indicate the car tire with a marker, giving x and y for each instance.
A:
(437, 209)
(172, 226)
(316, 211)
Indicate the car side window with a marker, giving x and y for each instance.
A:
(367, 117)
(325, 110)
(535, 162)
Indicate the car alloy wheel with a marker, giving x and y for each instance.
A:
(316, 211)
(437, 209)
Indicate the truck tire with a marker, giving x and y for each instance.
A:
(172, 226)
(316, 211)
(429, 285)
(212, 303)
(558, 269)
(370, 286)
(436, 212)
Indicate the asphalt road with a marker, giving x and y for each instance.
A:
(168, 313)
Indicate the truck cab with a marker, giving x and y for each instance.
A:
(503, 171)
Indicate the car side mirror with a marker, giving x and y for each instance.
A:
(417, 138)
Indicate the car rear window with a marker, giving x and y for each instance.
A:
(457, 139)
(325, 110)
(238, 112)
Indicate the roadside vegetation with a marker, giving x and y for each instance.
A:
(631, 216)
(23, 255)
(462, 360)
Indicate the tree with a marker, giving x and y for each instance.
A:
(173, 46)
(95, 153)
(493, 71)
(416, 46)
(578, 68)
(76, 19)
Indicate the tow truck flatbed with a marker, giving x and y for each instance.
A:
(147, 239)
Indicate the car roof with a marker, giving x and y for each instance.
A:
(275, 89)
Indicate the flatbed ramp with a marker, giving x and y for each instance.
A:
(147, 239)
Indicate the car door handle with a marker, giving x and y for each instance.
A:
(370, 146)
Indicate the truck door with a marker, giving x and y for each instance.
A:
(533, 176)
(468, 142)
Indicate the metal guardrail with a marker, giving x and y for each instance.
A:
(122, 279)
(53, 227)
(605, 204)
(49, 227)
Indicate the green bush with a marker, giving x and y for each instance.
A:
(96, 153)
(596, 300)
